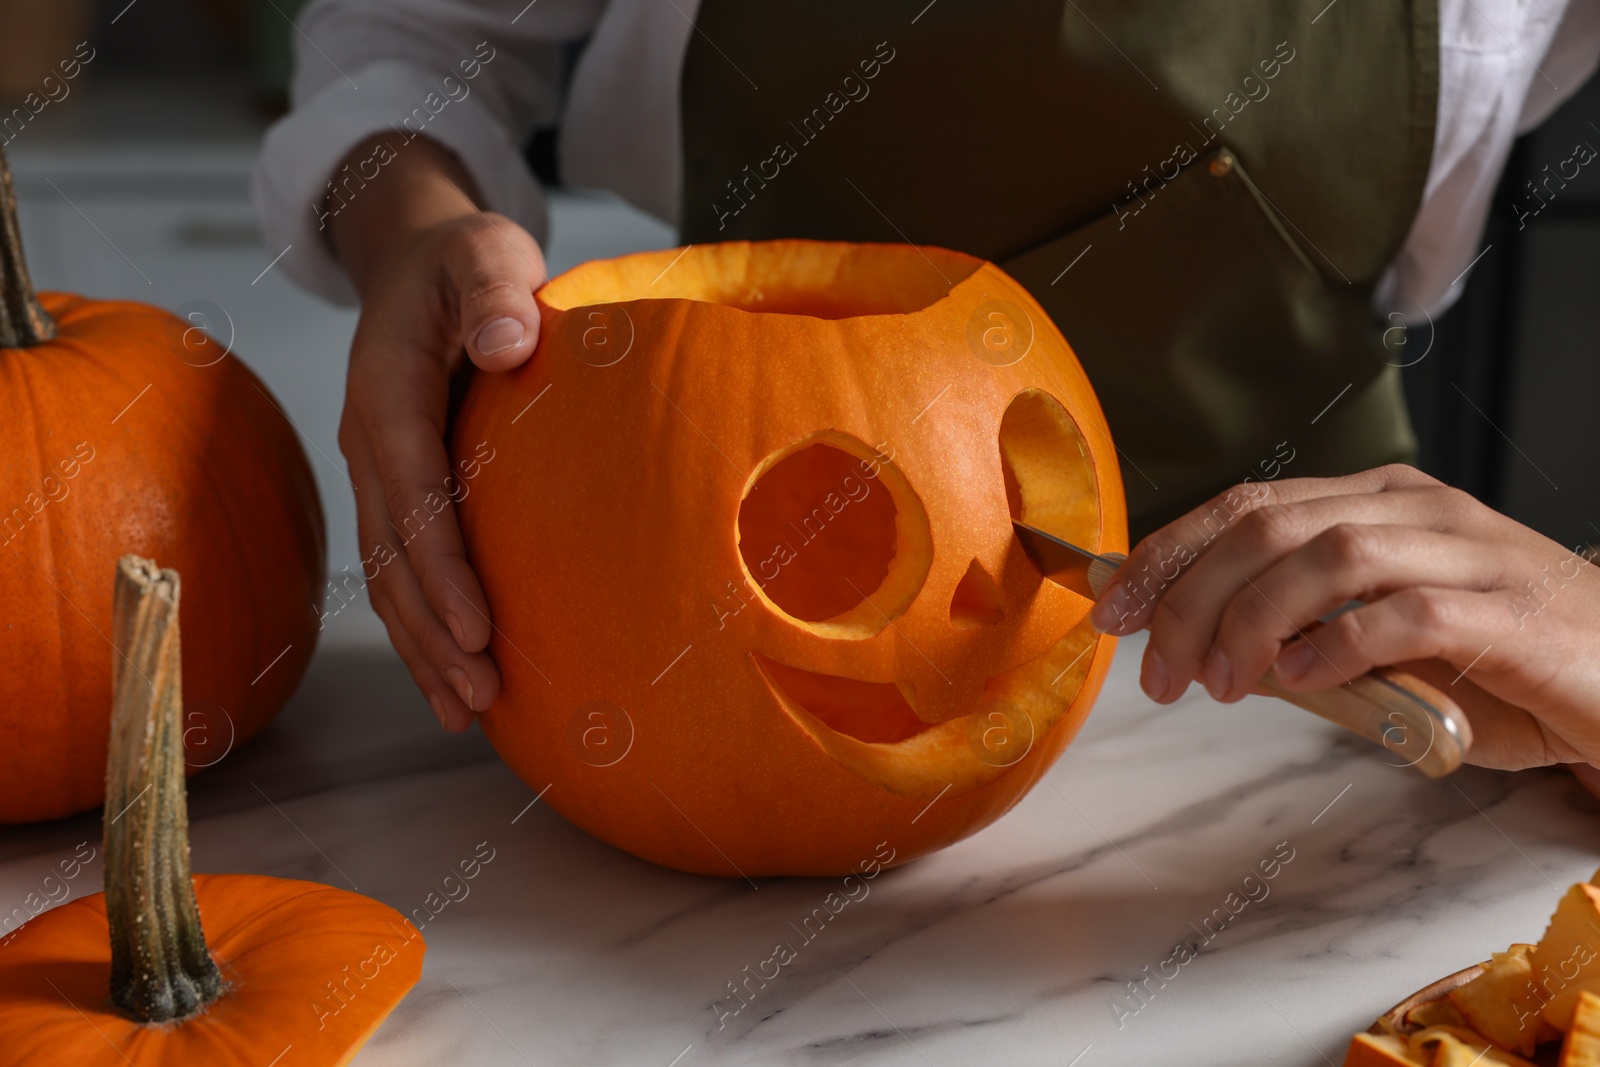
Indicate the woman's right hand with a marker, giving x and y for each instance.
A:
(441, 281)
(1492, 613)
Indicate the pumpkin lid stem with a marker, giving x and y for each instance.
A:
(160, 968)
(23, 321)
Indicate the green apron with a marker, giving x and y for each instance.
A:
(1201, 193)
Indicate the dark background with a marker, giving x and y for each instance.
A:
(1523, 345)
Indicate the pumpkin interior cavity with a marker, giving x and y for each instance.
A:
(823, 280)
(1049, 474)
(833, 536)
(874, 712)
(817, 534)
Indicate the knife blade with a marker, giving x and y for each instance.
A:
(1067, 564)
(1389, 707)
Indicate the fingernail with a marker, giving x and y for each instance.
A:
(1217, 675)
(1295, 663)
(462, 683)
(499, 335)
(454, 623)
(438, 708)
(1153, 677)
(1110, 610)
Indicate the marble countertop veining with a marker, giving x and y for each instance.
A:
(1121, 914)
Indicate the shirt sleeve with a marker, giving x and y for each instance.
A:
(474, 75)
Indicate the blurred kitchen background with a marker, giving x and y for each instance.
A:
(136, 185)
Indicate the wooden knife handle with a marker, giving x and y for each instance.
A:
(1416, 722)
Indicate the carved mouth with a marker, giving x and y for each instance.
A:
(874, 712)
(871, 729)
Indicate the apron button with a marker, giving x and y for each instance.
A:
(1221, 166)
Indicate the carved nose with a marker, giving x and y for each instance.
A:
(977, 600)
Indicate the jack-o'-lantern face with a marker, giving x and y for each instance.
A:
(749, 552)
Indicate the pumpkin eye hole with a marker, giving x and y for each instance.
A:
(1049, 477)
(833, 536)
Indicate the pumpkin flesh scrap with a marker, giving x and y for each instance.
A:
(1582, 1048)
(1567, 958)
(1381, 1050)
(1502, 1003)
(1452, 1047)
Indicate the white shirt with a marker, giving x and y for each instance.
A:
(366, 66)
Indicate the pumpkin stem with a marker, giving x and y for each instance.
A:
(23, 321)
(160, 968)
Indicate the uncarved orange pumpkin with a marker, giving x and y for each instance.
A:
(758, 604)
(281, 971)
(130, 430)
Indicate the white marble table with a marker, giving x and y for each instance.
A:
(1010, 948)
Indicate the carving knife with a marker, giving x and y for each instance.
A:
(1420, 725)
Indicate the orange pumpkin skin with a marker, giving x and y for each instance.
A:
(174, 450)
(308, 966)
(672, 706)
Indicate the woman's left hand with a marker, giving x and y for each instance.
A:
(1504, 620)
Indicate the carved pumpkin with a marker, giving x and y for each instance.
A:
(129, 429)
(283, 972)
(758, 604)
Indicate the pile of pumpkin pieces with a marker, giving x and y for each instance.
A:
(1530, 1005)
